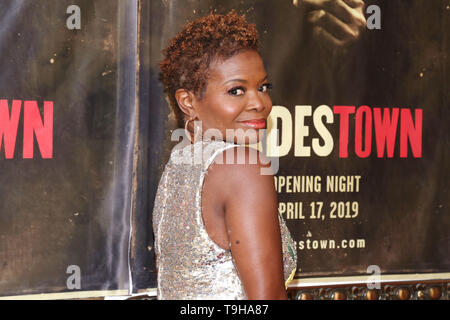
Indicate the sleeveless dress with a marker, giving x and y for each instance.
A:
(189, 264)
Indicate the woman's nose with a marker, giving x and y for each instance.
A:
(255, 102)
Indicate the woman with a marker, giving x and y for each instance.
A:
(218, 234)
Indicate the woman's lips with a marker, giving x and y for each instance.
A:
(255, 123)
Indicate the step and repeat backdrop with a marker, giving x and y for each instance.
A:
(362, 118)
(67, 127)
(85, 132)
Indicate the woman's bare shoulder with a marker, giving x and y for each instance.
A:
(242, 167)
(251, 219)
(239, 176)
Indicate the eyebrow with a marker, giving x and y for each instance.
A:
(243, 80)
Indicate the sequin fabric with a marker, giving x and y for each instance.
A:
(190, 265)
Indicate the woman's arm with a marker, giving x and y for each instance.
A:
(251, 218)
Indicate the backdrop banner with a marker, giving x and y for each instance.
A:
(363, 178)
(67, 127)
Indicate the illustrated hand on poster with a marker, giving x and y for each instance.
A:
(336, 23)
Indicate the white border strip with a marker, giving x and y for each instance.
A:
(330, 281)
(67, 295)
(147, 292)
(296, 283)
(150, 292)
(113, 294)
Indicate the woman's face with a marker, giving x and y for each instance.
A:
(236, 97)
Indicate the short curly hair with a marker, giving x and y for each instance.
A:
(189, 54)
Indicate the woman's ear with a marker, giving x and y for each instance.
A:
(185, 100)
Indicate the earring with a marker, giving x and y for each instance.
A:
(186, 131)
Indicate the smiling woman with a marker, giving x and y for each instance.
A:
(218, 234)
(235, 97)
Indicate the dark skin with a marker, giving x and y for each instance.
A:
(239, 204)
(243, 217)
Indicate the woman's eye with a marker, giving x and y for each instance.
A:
(265, 87)
(236, 91)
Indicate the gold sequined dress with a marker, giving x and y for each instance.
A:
(190, 265)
